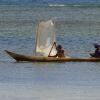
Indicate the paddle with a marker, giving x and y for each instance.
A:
(51, 48)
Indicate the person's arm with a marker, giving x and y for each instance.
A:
(96, 51)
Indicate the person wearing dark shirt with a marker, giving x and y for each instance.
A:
(96, 54)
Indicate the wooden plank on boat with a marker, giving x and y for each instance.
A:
(20, 57)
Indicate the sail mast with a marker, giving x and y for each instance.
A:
(36, 36)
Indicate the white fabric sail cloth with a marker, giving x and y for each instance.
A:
(45, 38)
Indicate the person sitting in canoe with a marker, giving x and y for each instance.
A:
(60, 51)
(96, 54)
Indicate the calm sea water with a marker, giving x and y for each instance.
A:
(77, 28)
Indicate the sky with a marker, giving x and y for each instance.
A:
(47, 1)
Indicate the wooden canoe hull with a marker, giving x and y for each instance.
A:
(20, 57)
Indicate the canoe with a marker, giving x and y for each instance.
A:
(20, 57)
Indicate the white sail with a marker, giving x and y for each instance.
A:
(45, 38)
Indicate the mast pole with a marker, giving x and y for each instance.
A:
(36, 36)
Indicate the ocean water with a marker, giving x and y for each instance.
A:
(77, 28)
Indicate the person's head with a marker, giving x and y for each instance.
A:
(96, 45)
(59, 47)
